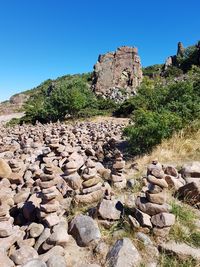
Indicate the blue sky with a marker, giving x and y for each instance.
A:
(41, 39)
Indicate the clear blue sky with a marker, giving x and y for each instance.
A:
(41, 39)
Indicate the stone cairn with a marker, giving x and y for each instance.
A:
(152, 210)
(49, 207)
(117, 178)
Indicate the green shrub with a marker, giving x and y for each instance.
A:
(70, 95)
(158, 111)
(173, 71)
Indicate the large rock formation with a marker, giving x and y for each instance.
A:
(117, 74)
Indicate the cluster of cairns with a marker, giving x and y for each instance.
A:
(49, 173)
(152, 210)
(45, 171)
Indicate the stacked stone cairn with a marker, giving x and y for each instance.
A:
(152, 210)
(91, 187)
(49, 207)
(118, 179)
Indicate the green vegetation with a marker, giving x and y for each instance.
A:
(153, 71)
(172, 71)
(185, 229)
(172, 261)
(67, 96)
(158, 110)
(190, 57)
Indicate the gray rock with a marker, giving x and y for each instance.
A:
(122, 254)
(56, 261)
(84, 229)
(35, 263)
(163, 219)
(36, 229)
(191, 169)
(110, 209)
(181, 250)
(57, 250)
(144, 238)
(151, 208)
(23, 254)
(143, 218)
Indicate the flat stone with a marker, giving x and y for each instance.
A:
(163, 219)
(151, 208)
(91, 182)
(92, 188)
(160, 182)
(181, 250)
(84, 229)
(122, 254)
(158, 198)
(89, 198)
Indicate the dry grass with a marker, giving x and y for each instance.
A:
(181, 148)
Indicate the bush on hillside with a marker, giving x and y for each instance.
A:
(157, 112)
(70, 97)
(172, 71)
(190, 57)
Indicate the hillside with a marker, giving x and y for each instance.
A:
(103, 169)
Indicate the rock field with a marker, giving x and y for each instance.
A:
(50, 173)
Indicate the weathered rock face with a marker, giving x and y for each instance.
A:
(117, 74)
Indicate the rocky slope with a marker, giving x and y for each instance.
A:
(65, 189)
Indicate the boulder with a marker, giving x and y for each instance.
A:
(110, 209)
(122, 254)
(84, 229)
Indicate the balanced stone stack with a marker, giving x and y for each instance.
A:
(49, 207)
(117, 178)
(71, 175)
(92, 184)
(152, 209)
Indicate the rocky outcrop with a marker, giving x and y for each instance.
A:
(117, 74)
